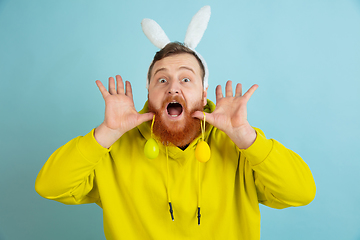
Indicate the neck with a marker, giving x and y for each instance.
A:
(184, 147)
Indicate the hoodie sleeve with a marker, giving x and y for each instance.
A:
(282, 178)
(68, 176)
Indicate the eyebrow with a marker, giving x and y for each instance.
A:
(182, 67)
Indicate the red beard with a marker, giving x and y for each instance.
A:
(178, 133)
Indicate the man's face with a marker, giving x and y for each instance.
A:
(176, 91)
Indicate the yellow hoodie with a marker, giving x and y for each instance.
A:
(133, 191)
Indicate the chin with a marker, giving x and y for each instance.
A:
(172, 123)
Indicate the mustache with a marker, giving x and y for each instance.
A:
(176, 98)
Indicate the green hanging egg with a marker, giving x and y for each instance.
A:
(202, 152)
(151, 149)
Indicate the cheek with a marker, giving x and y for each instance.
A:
(194, 99)
(155, 101)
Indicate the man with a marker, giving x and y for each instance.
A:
(108, 166)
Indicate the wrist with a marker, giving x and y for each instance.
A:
(243, 137)
(106, 136)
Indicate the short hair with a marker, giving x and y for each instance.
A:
(174, 48)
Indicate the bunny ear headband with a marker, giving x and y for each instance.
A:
(194, 33)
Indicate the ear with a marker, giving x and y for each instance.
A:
(205, 97)
(154, 33)
(197, 27)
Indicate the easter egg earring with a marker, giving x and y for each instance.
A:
(202, 151)
(151, 148)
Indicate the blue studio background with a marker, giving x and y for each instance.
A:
(305, 56)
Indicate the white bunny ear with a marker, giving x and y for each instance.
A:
(154, 33)
(197, 27)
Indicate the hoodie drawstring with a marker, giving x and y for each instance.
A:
(168, 189)
(199, 177)
(168, 185)
(199, 194)
(199, 172)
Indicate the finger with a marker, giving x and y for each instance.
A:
(145, 117)
(218, 93)
(102, 89)
(228, 89)
(112, 89)
(238, 90)
(209, 118)
(250, 92)
(120, 84)
(128, 89)
(198, 115)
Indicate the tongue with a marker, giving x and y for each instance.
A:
(174, 110)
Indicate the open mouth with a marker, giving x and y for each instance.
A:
(174, 109)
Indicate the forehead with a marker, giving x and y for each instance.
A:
(183, 61)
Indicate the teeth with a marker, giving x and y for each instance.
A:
(174, 115)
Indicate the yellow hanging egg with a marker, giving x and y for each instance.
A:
(202, 152)
(151, 149)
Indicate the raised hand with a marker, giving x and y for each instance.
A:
(230, 114)
(120, 113)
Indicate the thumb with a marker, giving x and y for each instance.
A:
(145, 117)
(209, 117)
(198, 114)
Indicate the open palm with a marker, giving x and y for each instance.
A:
(120, 113)
(230, 114)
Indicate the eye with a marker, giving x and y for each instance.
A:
(162, 80)
(186, 80)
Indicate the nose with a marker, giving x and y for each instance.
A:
(174, 88)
